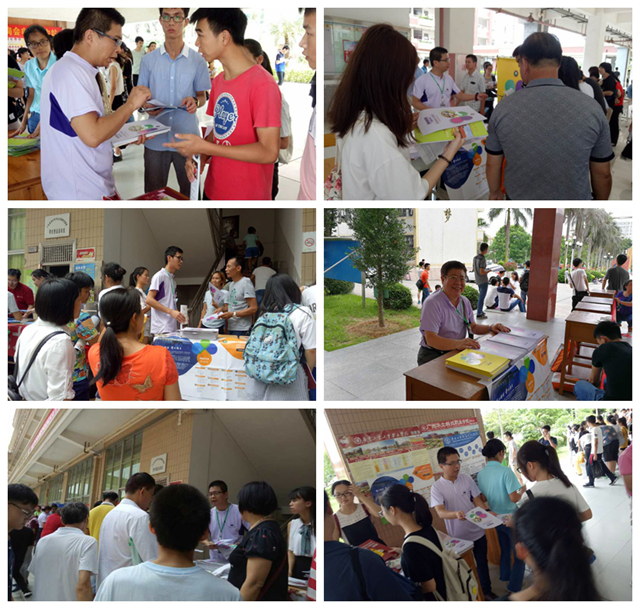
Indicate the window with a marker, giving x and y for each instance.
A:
(54, 494)
(17, 223)
(409, 240)
(79, 482)
(122, 460)
(406, 213)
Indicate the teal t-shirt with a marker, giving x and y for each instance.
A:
(496, 483)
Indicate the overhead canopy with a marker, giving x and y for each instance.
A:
(131, 15)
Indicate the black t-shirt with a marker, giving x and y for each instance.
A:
(420, 564)
(263, 541)
(615, 358)
(609, 84)
(21, 539)
(597, 93)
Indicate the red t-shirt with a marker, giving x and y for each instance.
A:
(24, 295)
(239, 107)
(425, 277)
(54, 522)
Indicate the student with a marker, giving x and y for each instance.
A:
(372, 119)
(138, 53)
(372, 580)
(177, 76)
(245, 106)
(507, 297)
(21, 292)
(492, 293)
(252, 247)
(112, 277)
(579, 282)
(547, 439)
(110, 499)
(452, 496)
(512, 451)
(23, 54)
(161, 296)
(354, 521)
(308, 298)
(540, 464)
(214, 300)
(123, 367)
(503, 491)
(614, 356)
(241, 306)
(226, 527)
(308, 163)
(282, 295)
(301, 531)
(624, 305)
(259, 562)
(482, 281)
(139, 280)
(77, 157)
(22, 504)
(616, 276)
(39, 41)
(178, 518)
(281, 63)
(594, 451)
(611, 450)
(151, 47)
(22, 542)
(524, 282)
(39, 277)
(83, 333)
(261, 275)
(51, 375)
(65, 560)
(424, 276)
(404, 508)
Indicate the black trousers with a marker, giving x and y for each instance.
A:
(614, 125)
(135, 80)
(275, 184)
(280, 77)
(21, 581)
(576, 298)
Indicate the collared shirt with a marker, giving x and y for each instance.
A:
(170, 81)
(439, 315)
(549, 133)
(496, 483)
(97, 516)
(457, 496)
(164, 283)
(50, 377)
(124, 522)
(23, 295)
(34, 77)
(81, 331)
(473, 83)
(431, 89)
(226, 527)
(70, 169)
(42, 519)
(480, 262)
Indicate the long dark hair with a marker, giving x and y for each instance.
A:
(546, 456)
(376, 80)
(255, 48)
(551, 531)
(401, 498)
(133, 278)
(306, 493)
(280, 291)
(569, 72)
(117, 307)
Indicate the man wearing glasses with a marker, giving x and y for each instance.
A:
(177, 76)
(446, 321)
(162, 298)
(22, 503)
(452, 496)
(77, 156)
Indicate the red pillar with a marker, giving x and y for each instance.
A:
(545, 256)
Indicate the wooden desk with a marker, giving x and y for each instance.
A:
(23, 178)
(602, 293)
(604, 308)
(593, 299)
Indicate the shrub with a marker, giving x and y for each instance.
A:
(561, 276)
(510, 266)
(472, 294)
(399, 297)
(299, 75)
(334, 287)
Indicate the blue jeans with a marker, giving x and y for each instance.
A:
(514, 304)
(482, 292)
(523, 294)
(425, 292)
(512, 574)
(586, 392)
(482, 564)
(259, 297)
(33, 122)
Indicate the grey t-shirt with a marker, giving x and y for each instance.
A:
(549, 133)
(616, 277)
(480, 262)
(239, 291)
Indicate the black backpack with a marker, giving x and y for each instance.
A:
(524, 282)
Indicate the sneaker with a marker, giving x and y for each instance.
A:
(614, 481)
(490, 596)
(28, 593)
(588, 485)
(481, 316)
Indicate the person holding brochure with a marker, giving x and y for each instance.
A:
(161, 296)
(214, 300)
(354, 521)
(76, 152)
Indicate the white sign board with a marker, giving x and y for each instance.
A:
(56, 226)
(159, 464)
(308, 242)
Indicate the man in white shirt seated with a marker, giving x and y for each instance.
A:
(261, 276)
(125, 534)
(179, 518)
(65, 560)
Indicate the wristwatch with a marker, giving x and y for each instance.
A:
(197, 102)
(234, 314)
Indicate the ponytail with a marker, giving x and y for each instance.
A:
(422, 512)
(545, 456)
(401, 498)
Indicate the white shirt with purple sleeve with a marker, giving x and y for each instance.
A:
(440, 316)
(164, 284)
(457, 496)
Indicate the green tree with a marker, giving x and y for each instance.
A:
(289, 30)
(330, 221)
(520, 248)
(383, 255)
(514, 216)
(329, 473)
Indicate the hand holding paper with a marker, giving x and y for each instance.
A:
(482, 518)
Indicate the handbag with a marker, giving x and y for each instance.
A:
(333, 183)
(14, 385)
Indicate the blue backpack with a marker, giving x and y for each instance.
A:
(271, 354)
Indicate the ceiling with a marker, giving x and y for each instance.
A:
(131, 15)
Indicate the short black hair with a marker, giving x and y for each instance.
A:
(608, 329)
(338, 483)
(63, 42)
(425, 61)
(484, 247)
(546, 427)
(56, 301)
(541, 48)
(505, 281)
(172, 250)
(444, 452)
(624, 285)
(139, 39)
(14, 273)
(233, 20)
(308, 11)
(251, 230)
(32, 29)
(180, 516)
(21, 493)
(110, 496)
(138, 481)
(96, 19)
(266, 260)
(152, 42)
(594, 72)
(607, 67)
(494, 281)
(241, 262)
(493, 448)
(527, 262)
(436, 53)
(621, 259)
(508, 434)
(40, 274)
(286, 46)
(82, 280)
(591, 419)
(517, 51)
(184, 10)
(577, 261)
(486, 64)
(23, 50)
(221, 484)
(74, 513)
(257, 498)
(452, 265)
(473, 57)
(490, 435)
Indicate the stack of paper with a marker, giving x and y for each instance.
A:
(23, 145)
(385, 552)
(478, 364)
(130, 132)
(438, 124)
(14, 75)
(513, 340)
(511, 353)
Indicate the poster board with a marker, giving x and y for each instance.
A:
(508, 77)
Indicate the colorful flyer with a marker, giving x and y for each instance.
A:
(483, 519)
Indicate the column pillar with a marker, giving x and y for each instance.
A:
(594, 41)
(457, 30)
(545, 257)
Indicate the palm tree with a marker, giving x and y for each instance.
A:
(511, 214)
(482, 223)
(288, 30)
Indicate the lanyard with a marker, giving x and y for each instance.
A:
(171, 285)
(224, 522)
(441, 89)
(464, 318)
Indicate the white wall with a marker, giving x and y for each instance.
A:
(288, 246)
(395, 16)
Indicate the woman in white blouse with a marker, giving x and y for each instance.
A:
(51, 375)
(301, 531)
(372, 118)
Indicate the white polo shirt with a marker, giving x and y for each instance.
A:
(473, 83)
(226, 528)
(435, 89)
(262, 274)
(70, 169)
(164, 284)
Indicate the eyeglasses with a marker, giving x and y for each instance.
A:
(37, 45)
(25, 512)
(341, 495)
(216, 493)
(381, 513)
(116, 40)
(181, 258)
(456, 278)
(176, 18)
(519, 470)
(453, 463)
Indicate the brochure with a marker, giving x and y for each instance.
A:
(483, 519)
(524, 342)
(516, 331)
(130, 132)
(158, 105)
(437, 119)
(478, 364)
(16, 73)
(459, 546)
(472, 131)
(510, 352)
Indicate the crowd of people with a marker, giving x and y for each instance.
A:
(84, 85)
(73, 353)
(543, 533)
(142, 546)
(561, 122)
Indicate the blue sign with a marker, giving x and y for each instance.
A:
(334, 251)
(86, 267)
(509, 387)
(182, 351)
(225, 116)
